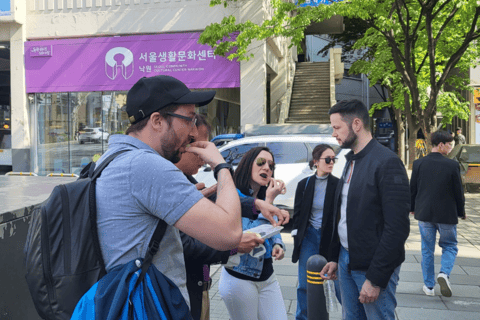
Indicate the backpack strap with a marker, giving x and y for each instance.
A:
(105, 163)
(92, 203)
(152, 249)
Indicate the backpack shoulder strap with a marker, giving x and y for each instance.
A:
(152, 249)
(105, 163)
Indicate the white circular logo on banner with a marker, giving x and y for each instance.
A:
(126, 65)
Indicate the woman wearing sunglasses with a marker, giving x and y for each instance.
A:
(250, 290)
(313, 210)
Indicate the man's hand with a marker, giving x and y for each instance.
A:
(249, 241)
(269, 210)
(412, 212)
(275, 187)
(200, 186)
(207, 152)
(464, 217)
(329, 272)
(278, 253)
(207, 192)
(369, 293)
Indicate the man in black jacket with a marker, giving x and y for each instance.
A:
(437, 202)
(371, 209)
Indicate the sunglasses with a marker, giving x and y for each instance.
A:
(328, 160)
(261, 162)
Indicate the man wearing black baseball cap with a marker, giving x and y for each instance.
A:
(142, 185)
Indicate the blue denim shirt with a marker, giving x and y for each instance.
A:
(249, 265)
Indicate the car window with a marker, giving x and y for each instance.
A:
(233, 155)
(473, 154)
(288, 152)
(336, 148)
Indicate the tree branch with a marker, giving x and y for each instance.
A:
(472, 35)
(441, 8)
(444, 25)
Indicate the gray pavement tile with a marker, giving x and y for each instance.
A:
(474, 271)
(410, 276)
(464, 261)
(287, 281)
(462, 304)
(286, 270)
(419, 301)
(417, 267)
(465, 291)
(289, 293)
(410, 258)
(433, 314)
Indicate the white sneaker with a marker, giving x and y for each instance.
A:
(428, 292)
(445, 288)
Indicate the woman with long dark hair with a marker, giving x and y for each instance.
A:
(313, 210)
(251, 290)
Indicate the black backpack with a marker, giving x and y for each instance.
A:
(62, 252)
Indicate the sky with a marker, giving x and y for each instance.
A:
(4, 5)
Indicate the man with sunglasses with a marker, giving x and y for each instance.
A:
(371, 222)
(142, 185)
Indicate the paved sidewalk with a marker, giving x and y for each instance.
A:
(412, 302)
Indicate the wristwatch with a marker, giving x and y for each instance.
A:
(221, 166)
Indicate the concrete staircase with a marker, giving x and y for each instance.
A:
(310, 100)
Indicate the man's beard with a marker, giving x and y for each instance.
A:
(350, 140)
(169, 150)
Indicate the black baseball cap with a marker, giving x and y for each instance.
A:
(151, 94)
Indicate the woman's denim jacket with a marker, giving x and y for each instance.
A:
(249, 265)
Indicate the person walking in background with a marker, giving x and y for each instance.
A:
(313, 211)
(251, 290)
(437, 201)
(372, 203)
(459, 137)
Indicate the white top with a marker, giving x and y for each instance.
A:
(342, 225)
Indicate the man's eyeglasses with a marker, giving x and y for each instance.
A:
(193, 121)
(328, 160)
(261, 162)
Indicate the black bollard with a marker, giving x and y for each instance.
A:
(316, 302)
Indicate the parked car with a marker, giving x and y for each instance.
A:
(223, 139)
(468, 157)
(92, 135)
(292, 154)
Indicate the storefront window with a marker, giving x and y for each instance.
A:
(73, 128)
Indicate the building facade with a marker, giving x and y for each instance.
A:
(73, 61)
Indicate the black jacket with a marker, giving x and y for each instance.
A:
(436, 190)
(303, 211)
(378, 206)
(199, 257)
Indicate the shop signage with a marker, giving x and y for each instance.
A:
(41, 51)
(315, 3)
(5, 8)
(476, 101)
(116, 63)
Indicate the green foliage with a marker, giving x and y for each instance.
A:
(416, 47)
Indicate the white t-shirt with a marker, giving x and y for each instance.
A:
(342, 225)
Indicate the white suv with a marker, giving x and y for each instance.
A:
(93, 134)
(292, 154)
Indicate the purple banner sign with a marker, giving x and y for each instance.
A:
(116, 63)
